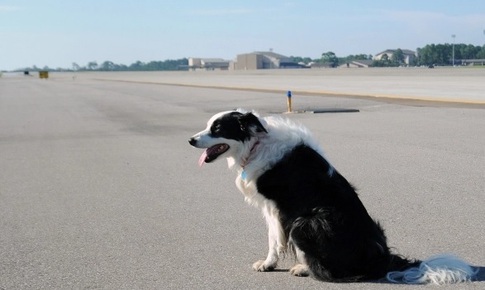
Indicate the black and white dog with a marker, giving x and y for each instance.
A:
(310, 209)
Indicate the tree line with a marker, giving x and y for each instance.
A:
(170, 64)
(166, 65)
(431, 54)
(442, 54)
(330, 59)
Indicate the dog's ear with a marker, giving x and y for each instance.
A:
(248, 121)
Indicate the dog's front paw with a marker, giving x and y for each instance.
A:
(300, 270)
(263, 266)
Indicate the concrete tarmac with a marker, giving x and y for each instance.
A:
(100, 189)
(442, 84)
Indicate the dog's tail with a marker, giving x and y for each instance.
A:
(439, 270)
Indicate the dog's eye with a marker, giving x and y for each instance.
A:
(216, 128)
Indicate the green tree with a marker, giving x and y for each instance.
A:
(330, 59)
(92, 65)
(468, 51)
(384, 61)
(435, 54)
(397, 57)
(481, 53)
(137, 66)
(75, 66)
(107, 66)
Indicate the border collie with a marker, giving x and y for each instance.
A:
(311, 210)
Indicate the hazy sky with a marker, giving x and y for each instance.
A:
(59, 32)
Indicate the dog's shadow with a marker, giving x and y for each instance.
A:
(280, 270)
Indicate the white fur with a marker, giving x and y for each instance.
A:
(283, 135)
(254, 157)
(258, 154)
(438, 270)
(301, 269)
(205, 140)
(276, 239)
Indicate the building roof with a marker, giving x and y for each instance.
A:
(363, 62)
(270, 54)
(391, 51)
(206, 60)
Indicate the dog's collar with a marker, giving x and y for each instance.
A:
(245, 161)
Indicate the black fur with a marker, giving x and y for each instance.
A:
(249, 121)
(236, 126)
(322, 215)
(228, 126)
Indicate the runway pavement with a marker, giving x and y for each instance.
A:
(463, 85)
(100, 189)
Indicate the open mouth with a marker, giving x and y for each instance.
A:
(211, 153)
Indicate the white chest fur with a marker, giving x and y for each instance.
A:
(277, 238)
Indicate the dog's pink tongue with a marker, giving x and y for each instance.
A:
(202, 158)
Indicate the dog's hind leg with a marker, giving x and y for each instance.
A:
(300, 269)
(276, 241)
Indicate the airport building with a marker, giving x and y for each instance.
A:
(208, 64)
(409, 55)
(263, 60)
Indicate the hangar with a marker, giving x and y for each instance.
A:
(264, 60)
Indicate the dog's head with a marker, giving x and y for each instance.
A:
(227, 134)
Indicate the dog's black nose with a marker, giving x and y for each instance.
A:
(192, 141)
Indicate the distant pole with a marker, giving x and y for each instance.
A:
(288, 94)
(453, 56)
